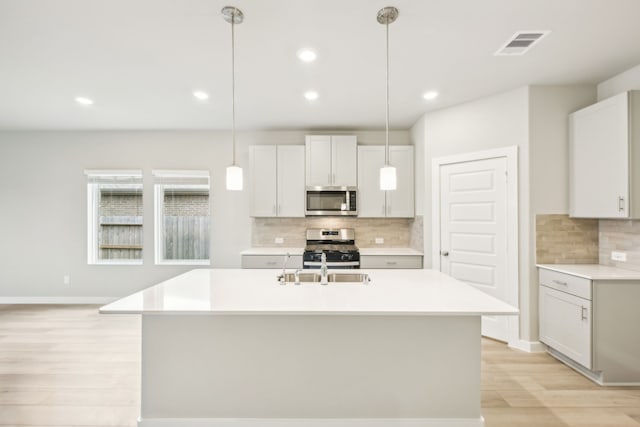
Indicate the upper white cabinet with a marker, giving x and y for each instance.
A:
(375, 203)
(331, 160)
(605, 158)
(277, 180)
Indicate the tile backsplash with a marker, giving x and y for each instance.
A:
(564, 240)
(396, 232)
(623, 236)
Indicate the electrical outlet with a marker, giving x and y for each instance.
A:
(66, 279)
(379, 240)
(279, 240)
(619, 256)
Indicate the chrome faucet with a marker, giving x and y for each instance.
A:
(323, 269)
(284, 265)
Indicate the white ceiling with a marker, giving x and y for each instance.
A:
(141, 59)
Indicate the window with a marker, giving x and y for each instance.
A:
(182, 217)
(114, 200)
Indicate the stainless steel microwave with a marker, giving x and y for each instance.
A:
(331, 201)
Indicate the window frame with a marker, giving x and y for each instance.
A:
(93, 212)
(158, 211)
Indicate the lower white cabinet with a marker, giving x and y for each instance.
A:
(591, 324)
(390, 261)
(565, 324)
(271, 261)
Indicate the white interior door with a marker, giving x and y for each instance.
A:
(473, 231)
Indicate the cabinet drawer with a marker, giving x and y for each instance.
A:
(390, 261)
(270, 261)
(573, 285)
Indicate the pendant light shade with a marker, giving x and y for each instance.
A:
(234, 177)
(234, 16)
(388, 180)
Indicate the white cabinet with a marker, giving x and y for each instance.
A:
(565, 318)
(271, 261)
(390, 261)
(277, 180)
(605, 158)
(590, 324)
(331, 160)
(376, 203)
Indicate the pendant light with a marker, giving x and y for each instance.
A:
(234, 16)
(388, 179)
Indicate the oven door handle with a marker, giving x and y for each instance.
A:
(332, 264)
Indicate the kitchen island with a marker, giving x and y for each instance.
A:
(226, 347)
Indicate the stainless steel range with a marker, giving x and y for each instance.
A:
(338, 245)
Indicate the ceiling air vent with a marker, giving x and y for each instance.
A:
(521, 42)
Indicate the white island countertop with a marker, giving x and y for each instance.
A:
(252, 292)
(593, 271)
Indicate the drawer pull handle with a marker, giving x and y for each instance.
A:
(271, 263)
(392, 262)
(584, 312)
(558, 282)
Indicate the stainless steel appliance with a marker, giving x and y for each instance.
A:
(337, 245)
(331, 201)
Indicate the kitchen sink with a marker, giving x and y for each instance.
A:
(348, 278)
(302, 277)
(331, 278)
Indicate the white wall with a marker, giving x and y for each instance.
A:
(549, 107)
(43, 231)
(535, 120)
(416, 134)
(627, 80)
(493, 122)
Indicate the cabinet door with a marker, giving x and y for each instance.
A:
(401, 200)
(599, 159)
(318, 160)
(344, 159)
(262, 160)
(390, 261)
(565, 324)
(370, 199)
(290, 181)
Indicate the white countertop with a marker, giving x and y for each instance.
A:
(593, 271)
(389, 251)
(298, 251)
(252, 292)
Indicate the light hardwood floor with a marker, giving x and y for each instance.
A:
(70, 366)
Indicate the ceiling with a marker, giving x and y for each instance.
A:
(140, 60)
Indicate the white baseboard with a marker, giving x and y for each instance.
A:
(311, 422)
(528, 346)
(56, 300)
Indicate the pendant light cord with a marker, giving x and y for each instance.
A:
(386, 151)
(233, 87)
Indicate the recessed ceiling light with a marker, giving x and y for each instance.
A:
(431, 95)
(311, 95)
(201, 95)
(84, 100)
(307, 55)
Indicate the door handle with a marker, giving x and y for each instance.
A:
(620, 204)
(584, 312)
(444, 253)
(333, 179)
